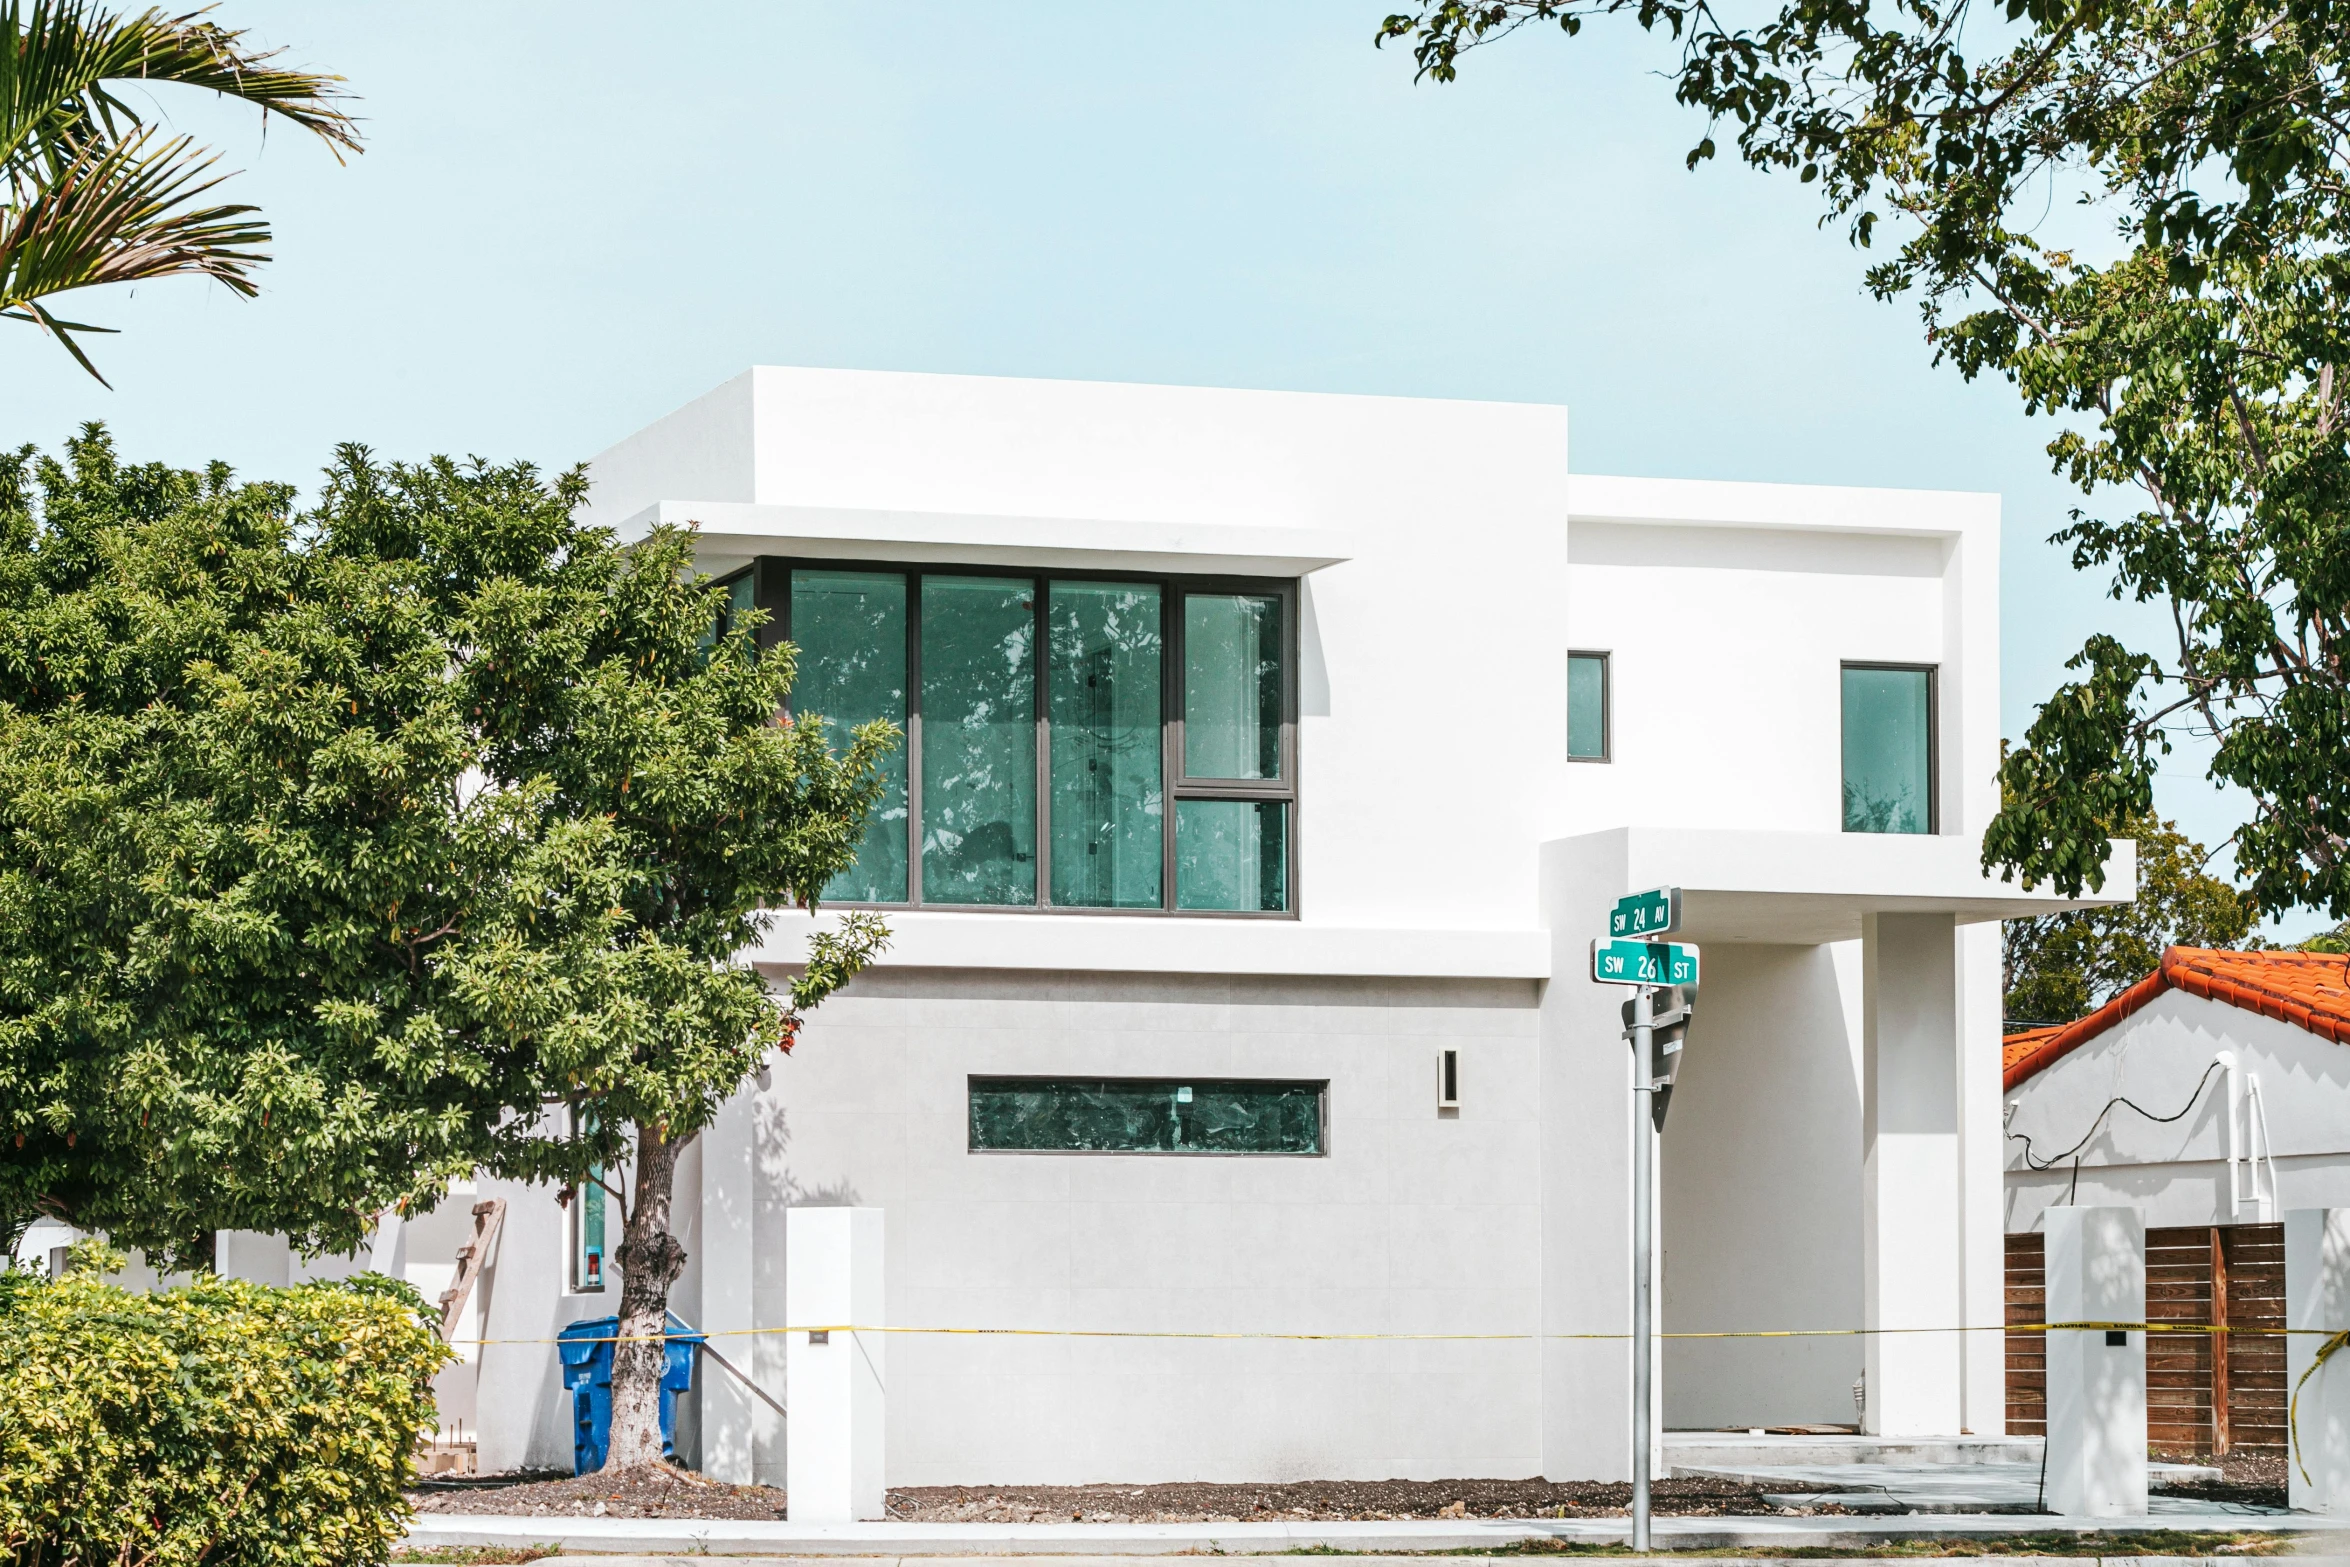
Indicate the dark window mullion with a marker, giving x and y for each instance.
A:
(1040, 698)
(913, 739)
(1171, 736)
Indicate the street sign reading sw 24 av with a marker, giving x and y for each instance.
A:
(1643, 963)
(1649, 913)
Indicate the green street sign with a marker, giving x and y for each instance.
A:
(1649, 913)
(1643, 963)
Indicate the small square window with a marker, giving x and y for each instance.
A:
(1587, 714)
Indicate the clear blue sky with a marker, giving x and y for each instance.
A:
(571, 218)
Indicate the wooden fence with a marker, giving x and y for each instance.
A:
(2206, 1393)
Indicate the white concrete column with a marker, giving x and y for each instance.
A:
(834, 1380)
(731, 1416)
(1913, 1239)
(1982, 1153)
(2317, 1304)
(2096, 1377)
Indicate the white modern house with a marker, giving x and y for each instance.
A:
(1272, 760)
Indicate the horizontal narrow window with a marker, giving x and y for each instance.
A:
(1146, 1115)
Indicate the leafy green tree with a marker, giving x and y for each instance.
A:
(2063, 966)
(89, 192)
(2208, 140)
(346, 851)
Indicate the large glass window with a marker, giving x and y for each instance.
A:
(851, 627)
(1145, 1115)
(978, 740)
(1231, 854)
(1105, 676)
(1587, 713)
(1888, 749)
(1232, 696)
(1071, 742)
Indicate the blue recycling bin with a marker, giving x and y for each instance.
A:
(585, 1349)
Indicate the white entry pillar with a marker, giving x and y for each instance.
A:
(1913, 1244)
(2317, 1306)
(834, 1379)
(2096, 1456)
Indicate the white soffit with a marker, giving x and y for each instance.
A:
(1715, 503)
(1803, 888)
(731, 533)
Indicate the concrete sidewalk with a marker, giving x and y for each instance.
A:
(2298, 1560)
(663, 1537)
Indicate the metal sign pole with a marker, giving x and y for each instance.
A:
(1643, 1244)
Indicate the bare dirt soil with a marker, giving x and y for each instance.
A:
(659, 1491)
(2257, 1479)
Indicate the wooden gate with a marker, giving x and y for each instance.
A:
(2207, 1393)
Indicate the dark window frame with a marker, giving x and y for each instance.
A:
(771, 591)
(1933, 674)
(1607, 704)
(1322, 1116)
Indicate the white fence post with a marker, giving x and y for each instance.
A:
(2096, 1376)
(834, 1381)
(2317, 1303)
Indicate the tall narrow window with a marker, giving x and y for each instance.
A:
(850, 627)
(1888, 749)
(1104, 712)
(1587, 713)
(978, 740)
(1232, 681)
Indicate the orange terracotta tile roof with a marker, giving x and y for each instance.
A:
(2308, 989)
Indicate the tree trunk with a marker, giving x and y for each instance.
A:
(650, 1260)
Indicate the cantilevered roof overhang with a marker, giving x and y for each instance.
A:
(731, 534)
(1802, 888)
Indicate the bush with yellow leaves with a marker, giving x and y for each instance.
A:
(222, 1423)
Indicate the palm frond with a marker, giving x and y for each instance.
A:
(123, 213)
(62, 62)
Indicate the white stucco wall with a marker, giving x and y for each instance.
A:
(2176, 1173)
(1413, 1222)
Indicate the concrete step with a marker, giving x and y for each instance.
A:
(1714, 1451)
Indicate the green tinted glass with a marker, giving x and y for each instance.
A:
(1103, 700)
(1888, 728)
(978, 740)
(1587, 706)
(1145, 1115)
(1232, 854)
(850, 628)
(1231, 685)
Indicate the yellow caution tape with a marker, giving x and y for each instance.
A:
(2293, 1408)
(1142, 1333)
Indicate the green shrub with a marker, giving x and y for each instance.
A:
(224, 1423)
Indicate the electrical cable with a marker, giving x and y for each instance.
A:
(2036, 1162)
(2074, 1153)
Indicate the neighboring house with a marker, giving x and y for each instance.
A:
(1272, 760)
(2212, 1096)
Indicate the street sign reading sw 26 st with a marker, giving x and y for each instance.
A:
(1649, 913)
(1643, 963)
